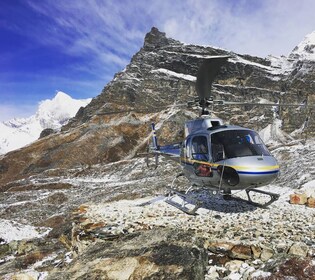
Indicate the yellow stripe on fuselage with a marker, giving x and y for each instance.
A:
(236, 167)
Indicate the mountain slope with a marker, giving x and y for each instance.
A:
(54, 113)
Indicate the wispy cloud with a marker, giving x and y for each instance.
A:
(253, 27)
(96, 28)
(112, 31)
(97, 38)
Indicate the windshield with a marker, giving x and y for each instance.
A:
(237, 143)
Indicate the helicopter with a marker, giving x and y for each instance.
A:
(217, 156)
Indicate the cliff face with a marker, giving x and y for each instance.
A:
(163, 73)
(164, 70)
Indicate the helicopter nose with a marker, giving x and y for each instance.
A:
(228, 175)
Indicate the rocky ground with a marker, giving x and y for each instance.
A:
(112, 222)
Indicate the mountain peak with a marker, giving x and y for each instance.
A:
(61, 95)
(51, 114)
(156, 39)
(306, 49)
(60, 108)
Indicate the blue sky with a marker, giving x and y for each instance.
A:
(78, 46)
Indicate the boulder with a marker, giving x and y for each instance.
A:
(256, 250)
(298, 249)
(153, 254)
(266, 254)
(46, 132)
(234, 265)
(241, 252)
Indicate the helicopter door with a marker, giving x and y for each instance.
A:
(199, 154)
(200, 148)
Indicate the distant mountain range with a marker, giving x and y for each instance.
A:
(53, 113)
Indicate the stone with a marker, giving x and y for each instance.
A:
(218, 259)
(266, 254)
(242, 252)
(220, 247)
(298, 198)
(256, 250)
(282, 247)
(212, 274)
(57, 198)
(46, 132)
(234, 276)
(234, 265)
(311, 253)
(310, 202)
(298, 249)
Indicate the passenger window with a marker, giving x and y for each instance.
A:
(200, 148)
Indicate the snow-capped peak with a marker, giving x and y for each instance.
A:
(51, 113)
(306, 49)
(57, 111)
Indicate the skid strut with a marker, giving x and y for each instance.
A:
(186, 197)
(273, 197)
(183, 205)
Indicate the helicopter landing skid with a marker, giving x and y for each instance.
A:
(273, 198)
(183, 206)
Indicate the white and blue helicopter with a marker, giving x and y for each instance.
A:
(223, 158)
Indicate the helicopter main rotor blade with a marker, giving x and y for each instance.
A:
(208, 70)
(145, 111)
(222, 102)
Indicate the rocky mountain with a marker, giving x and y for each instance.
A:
(163, 73)
(50, 115)
(81, 205)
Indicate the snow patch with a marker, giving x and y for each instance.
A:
(273, 135)
(306, 49)
(175, 74)
(11, 230)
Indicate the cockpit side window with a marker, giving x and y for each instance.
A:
(199, 148)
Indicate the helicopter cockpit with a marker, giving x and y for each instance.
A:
(236, 143)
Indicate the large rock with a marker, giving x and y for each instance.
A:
(298, 249)
(154, 254)
(242, 252)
